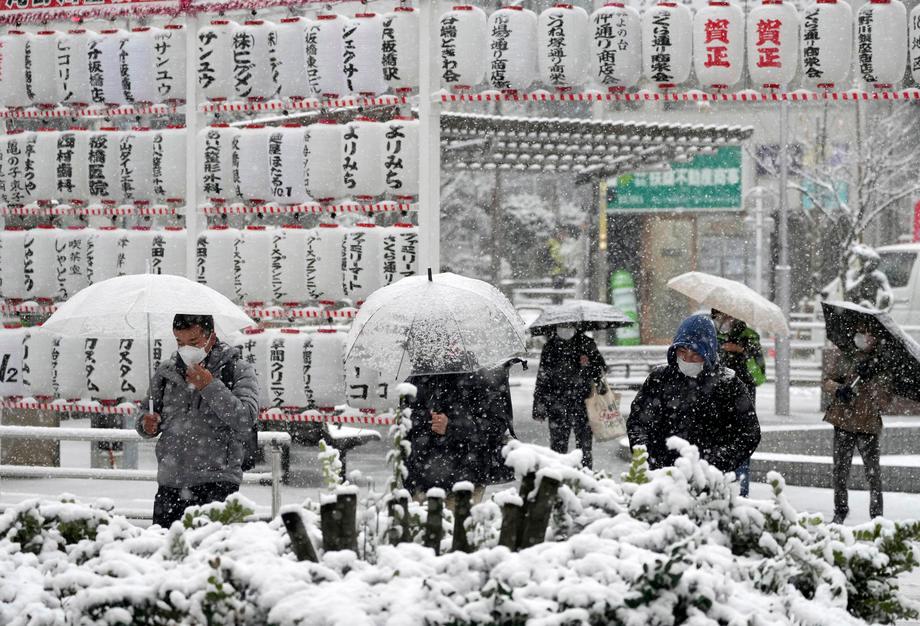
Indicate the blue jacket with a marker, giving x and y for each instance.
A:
(698, 333)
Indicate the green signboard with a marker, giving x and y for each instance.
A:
(708, 182)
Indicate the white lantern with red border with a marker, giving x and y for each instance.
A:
(287, 164)
(38, 350)
(327, 371)
(255, 61)
(136, 246)
(103, 253)
(12, 337)
(289, 264)
(827, 43)
(254, 259)
(772, 44)
(325, 256)
(563, 44)
(363, 55)
(39, 262)
(13, 92)
(42, 57)
(215, 163)
(167, 251)
(101, 366)
(914, 38)
(363, 146)
(881, 32)
(667, 44)
(513, 46)
(325, 56)
(401, 158)
(169, 164)
(103, 166)
(72, 184)
(215, 60)
(718, 44)
(400, 49)
(325, 174)
(139, 65)
(111, 45)
(44, 153)
(464, 47)
(72, 73)
(169, 57)
(215, 261)
(12, 261)
(136, 165)
(400, 252)
(287, 369)
(616, 52)
(132, 372)
(292, 58)
(71, 261)
(362, 261)
(252, 156)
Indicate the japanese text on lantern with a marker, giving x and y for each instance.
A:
(556, 49)
(811, 51)
(661, 42)
(768, 32)
(499, 46)
(449, 49)
(716, 32)
(864, 33)
(609, 39)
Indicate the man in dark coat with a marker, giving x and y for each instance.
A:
(693, 397)
(569, 365)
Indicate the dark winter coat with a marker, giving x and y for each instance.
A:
(470, 448)
(712, 411)
(742, 362)
(567, 371)
(871, 395)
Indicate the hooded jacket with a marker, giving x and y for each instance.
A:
(713, 411)
(202, 432)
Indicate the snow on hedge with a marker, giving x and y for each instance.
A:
(662, 547)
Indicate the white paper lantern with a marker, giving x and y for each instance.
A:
(255, 63)
(718, 44)
(103, 167)
(214, 256)
(252, 158)
(215, 162)
(39, 262)
(325, 256)
(12, 260)
(215, 60)
(38, 363)
(255, 263)
(13, 91)
(325, 175)
(72, 75)
(70, 263)
(139, 65)
(30, 167)
(111, 46)
(325, 56)
(327, 371)
(772, 44)
(167, 251)
(136, 245)
(71, 166)
(68, 367)
(881, 32)
(41, 57)
(616, 52)
(513, 47)
(286, 162)
(563, 33)
(400, 252)
(289, 360)
(169, 164)
(101, 366)
(15, 146)
(102, 256)
(914, 39)
(254, 346)
(362, 262)
(96, 67)
(400, 49)
(667, 45)
(169, 57)
(464, 36)
(363, 145)
(135, 165)
(361, 385)
(44, 155)
(132, 373)
(362, 59)
(401, 157)
(11, 349)
(289, 264)
(292, 58)
(827, 43)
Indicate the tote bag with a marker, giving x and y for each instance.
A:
(603, 414)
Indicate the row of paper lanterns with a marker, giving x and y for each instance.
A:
(293, 164)
(81, 166)
(80, 67)
(614, 47)
(297, 368)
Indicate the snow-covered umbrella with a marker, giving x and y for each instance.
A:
(437, 324)
(731, 297)
(586, 314)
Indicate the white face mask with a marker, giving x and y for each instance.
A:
(689, 369)
(192, 355)
(565, 333)
(861, 341)
(725, 326)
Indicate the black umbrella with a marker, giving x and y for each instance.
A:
(899, 352)
(584, 314)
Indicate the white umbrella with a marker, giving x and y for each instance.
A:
(733, 298)
(434, 325)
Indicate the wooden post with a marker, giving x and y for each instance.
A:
(300, 540)
(461, 513)
(403, 500)
(527, 486)
(538, 513)
(434, 526)
(347, 505)
(329, 523)
(512, 522)
(396, 514)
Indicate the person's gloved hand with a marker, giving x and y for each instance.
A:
(844, 393)
(539, 412)
(865, 369)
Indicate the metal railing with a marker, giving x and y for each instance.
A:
(276, 441)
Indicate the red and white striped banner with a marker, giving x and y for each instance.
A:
(34, 210)
(689, 96)
(27, 308)
(275, 209)
(300, 313)
(307, 104)
(69, 407)
(90, 112)
(366, 419)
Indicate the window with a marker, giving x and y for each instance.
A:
(897, 266)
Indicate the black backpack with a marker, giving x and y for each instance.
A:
(251, 451)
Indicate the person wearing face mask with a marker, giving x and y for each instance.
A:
(569, 364)
(697, 399)
(859, 383)
(205, 403)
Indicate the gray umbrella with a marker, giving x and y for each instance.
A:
(585, 314)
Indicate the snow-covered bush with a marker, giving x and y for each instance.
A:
(669, 546)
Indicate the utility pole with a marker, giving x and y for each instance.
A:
(783, 270)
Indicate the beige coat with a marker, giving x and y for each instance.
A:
(863, 413)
